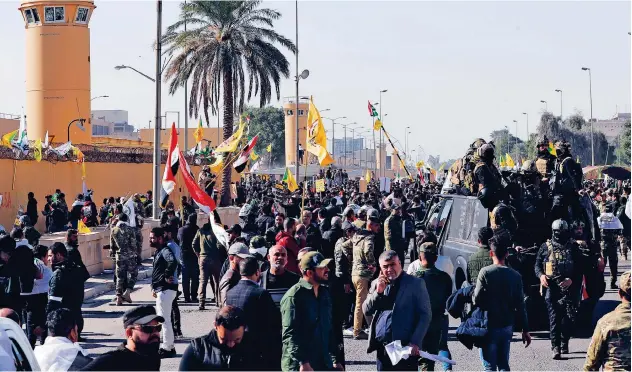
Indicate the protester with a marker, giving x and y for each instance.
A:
(400, 307)
(263, 319)
(306, 319)
(171, 231)
(236, 253)
(343, 256)
(37, 301)
(481, 258)
(31, 234)
(164, 288)
(499, 292)
(610, 345)
(124, 246)
(287, 239)
(313, 235)
(75, 213)
(190, 266)
(140, 350)
(60, 351)
(210, 259)
(31, 208)
(277, 280)
(330, 237)
(362, 270)
(227, 347)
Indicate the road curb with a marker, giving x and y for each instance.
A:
(107, 285)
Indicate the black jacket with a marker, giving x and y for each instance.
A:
(314, 238)
(165, 266)
(185, 236)
(473, 328)
(23, 270)
(206, 354)
(31, 211)
(264, 222)
(75, 257)
(65, 287)
(123, 359)
(330, 237)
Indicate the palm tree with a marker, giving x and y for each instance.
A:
(225, 39)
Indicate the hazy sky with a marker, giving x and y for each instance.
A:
(454, 70)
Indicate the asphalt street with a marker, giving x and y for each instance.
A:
(104, 331)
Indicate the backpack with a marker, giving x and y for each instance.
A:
(86, 211)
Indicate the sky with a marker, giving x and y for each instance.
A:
(454, 71)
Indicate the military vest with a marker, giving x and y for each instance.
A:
(560, 261)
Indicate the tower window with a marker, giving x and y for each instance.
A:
(290, 112)
(54, 14)
(301, 112)
(31, 16)
(82, 15)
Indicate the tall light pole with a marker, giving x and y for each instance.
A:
(303, 75)
(186, 103)
(546, 105)
(382, 171)
(406, 143)
(156, 170)
(333, 134)
(121, 67)
(524, 113)
(345, 139)
(97, 97)
(592, 140)
(561, 103)
(516, 141)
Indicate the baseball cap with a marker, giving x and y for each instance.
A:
(313, 260)
(239, 249)
(428, 247)
(346, 226)
(373, 214)
(624, 283)
(141, 315)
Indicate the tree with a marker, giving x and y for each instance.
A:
(505, 142)
(575, 121)
(269, 124)
(622, 151)
(224, 41)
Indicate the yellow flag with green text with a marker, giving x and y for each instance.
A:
(37, 150)
(231, 143)
(509, 161)
(288, 178)
(316, 137)
(254, 156)
(199, 132)
(377, 125)
(8, 138)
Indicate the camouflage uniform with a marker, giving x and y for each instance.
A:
(610, 345)
(124, 245)
(361, 274)
(393, 234)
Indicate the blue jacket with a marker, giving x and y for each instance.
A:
(473, 329)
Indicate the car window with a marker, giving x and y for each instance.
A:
(433, 220)
(443, 219)
(21, 362)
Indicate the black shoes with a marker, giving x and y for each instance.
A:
(613, 285)
(163, 354)
(557, 355)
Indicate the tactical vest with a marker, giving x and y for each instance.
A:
(473, 186)
(560, 260)
(541, 165)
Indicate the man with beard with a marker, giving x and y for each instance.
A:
(545, 161)
(266, 220)
(139, 352)
(277, 280)
(72, 247)
(210, 258)
(66, 284)
(236, 253)
(306, 319)
(314, 238)
(287, 239)
(330, 237)
(227, 347)
(60, 351)
(566, 183)
(164, 287)
(272, 231)
(393, 231)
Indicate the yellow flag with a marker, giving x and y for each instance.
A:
(552, 149)
(288, 178)
(368, 176)
(199, 132)
(441, 167)
(82, 228)
(420, 164)
(8, 138)
(377, 125)
(254, 156)
(232, 142)
(509, 161)
(316, 138)
(76, 152)
(217, 165)
(269, 148)
(37, 150)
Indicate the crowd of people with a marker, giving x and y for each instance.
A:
(303, 270)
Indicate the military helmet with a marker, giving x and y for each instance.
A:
(478, 143)
(562, 146)
(559, 225)
(486, 151)
(529, 166)
(542, 141)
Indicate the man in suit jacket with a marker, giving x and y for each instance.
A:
(400, 306)
(263, 320)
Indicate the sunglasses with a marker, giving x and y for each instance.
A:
(149, 329)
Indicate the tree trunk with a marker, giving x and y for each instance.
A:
(228, 131)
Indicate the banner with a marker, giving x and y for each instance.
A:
(316, 137)
(232, 142)
(320, 185)
(62, 150)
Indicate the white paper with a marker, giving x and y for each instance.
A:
(396, 352)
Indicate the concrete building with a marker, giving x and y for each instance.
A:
(58, 68)
(612, 128)
(112, 123)
(289, 109)
(9, 122)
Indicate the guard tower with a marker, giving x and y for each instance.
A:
(289, 111)
(58, 69)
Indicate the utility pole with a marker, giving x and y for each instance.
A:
(157, 158)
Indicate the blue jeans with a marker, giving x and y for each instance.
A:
(495, 355)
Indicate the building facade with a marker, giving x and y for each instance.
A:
(612, 128)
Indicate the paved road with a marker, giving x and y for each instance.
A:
(104, 331)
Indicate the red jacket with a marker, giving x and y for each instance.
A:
(292, 247)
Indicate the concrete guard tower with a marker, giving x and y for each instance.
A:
(289, 110)
(58, 69)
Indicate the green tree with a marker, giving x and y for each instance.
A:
(622, 151)
(505, 143)
(269, 124)
(575, 121)
(226, 45)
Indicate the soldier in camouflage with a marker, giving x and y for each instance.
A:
(610, 344)
(610, 227)
(124, 246)
(393, 231)
(362, 270)
(558, 265)
(544, 161)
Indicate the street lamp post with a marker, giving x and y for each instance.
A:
(97, 97)
(156, 170)
(80, 125)
(345, 140)
(516, 141)
(546, 105)
(561, 103)
(406, 143)
(592, 140)
(524, 113)
(333, 134)
(382, 171)
(120, 67)
(177, 113)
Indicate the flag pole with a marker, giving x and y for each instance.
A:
(396, 152)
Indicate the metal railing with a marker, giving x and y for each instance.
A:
(4, 115)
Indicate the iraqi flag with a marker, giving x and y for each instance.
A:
(240, 163)
(171, 167)
(199, 196)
